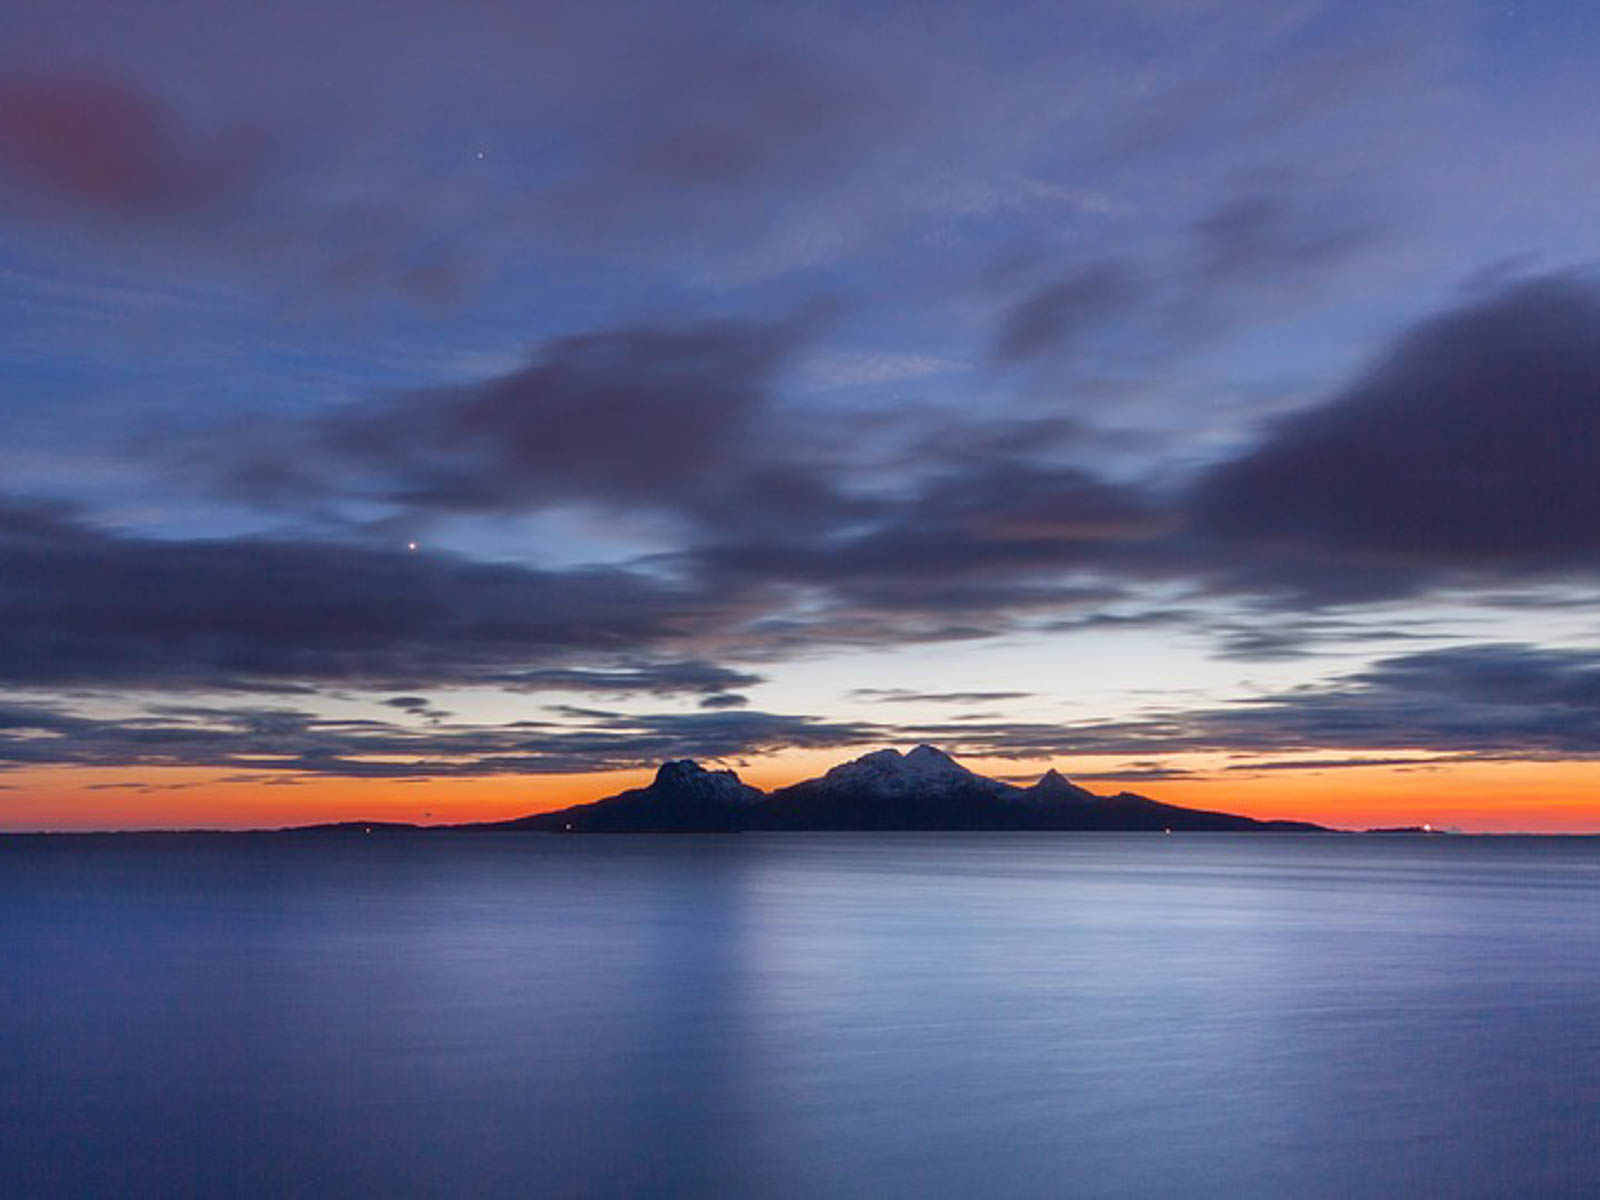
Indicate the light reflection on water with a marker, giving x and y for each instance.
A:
(801, 1015)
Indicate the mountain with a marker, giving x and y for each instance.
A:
(925, 789)
(1054, 788)
(1127, 812)
(683, 798)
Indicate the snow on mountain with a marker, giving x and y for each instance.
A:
(926, 771)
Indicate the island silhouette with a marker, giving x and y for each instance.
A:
(925, 789)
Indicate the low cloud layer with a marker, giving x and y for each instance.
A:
(289, 742)
(1490, 701)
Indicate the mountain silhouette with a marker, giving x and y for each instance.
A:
(1055, 788)
(924, 789)
(684, 797)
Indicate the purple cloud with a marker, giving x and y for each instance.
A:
(112, 148)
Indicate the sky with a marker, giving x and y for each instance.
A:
(432, 412)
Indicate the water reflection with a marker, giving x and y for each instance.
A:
(791, 1015)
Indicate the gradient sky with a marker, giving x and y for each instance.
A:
(432, 411)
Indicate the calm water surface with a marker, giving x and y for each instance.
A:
(839, 1015)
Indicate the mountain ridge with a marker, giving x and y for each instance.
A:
(923, 790)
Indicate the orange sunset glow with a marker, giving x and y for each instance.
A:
(1516, 797)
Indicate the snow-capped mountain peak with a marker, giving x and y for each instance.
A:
(925, 770)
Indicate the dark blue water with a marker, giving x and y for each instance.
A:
(791, 1015)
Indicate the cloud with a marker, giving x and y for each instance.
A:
(410, 704)
(1058, 315)
(1469, 445)
(865, 527)
(973, 551)
(708, 115)
(1497, 674)
(1480, 703)
(642, 417)
(1485, 702)
(180, 193)
(1133, 775)
(950, 528)
(757, 156)
(111, 148)
(416, 706)
(1111, 622)
(1492, 700)
(897, 695)
(1506, 700)
(1275, 234)
(936, 528)
(94, 608)
(83, 606)
(1336, 764)
(666, 678)
(286, 743)
(1276, 637)
(1263, 78)
(1269, 231)
(969, 534)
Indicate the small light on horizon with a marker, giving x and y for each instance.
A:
(411, 545)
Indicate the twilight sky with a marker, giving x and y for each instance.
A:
(494, 399)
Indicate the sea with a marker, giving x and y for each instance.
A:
(800, 1015)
